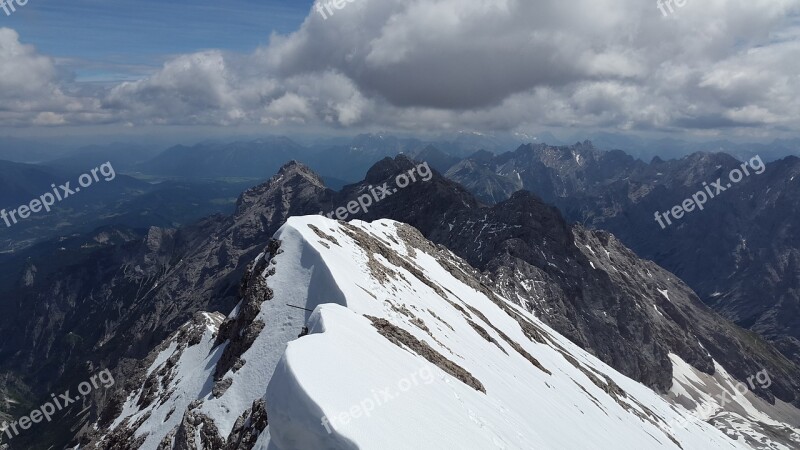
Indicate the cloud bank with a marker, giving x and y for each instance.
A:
(711, 66)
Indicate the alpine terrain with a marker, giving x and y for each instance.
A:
(405, 348)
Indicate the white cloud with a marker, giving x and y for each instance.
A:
(488, 64)
(49, 118)
(29, 86)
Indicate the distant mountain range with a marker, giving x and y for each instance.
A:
(236, 160)
(740, 254)
(348, 158)
(338, 164)
(647, 149)
(124, 156)
(29, 150)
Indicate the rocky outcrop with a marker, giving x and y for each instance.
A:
(193, 425)
(240, 331)
(404, 339)
(248, 427)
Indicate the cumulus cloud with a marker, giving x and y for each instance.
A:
(188, 89)
(483, 64)
(30, 91)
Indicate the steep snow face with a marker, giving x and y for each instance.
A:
(178, 375)
(417, 354)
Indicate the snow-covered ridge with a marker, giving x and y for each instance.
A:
(405, 349)
(539, 387)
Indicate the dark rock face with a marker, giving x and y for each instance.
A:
(481, 180)
(740, 254)
(550, 172)
(189, 427)
(248, 427)
(612, 307)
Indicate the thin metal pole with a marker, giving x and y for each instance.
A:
(299, 307)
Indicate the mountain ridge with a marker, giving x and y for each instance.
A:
(200, 267)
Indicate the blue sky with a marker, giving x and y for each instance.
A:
(117, 39)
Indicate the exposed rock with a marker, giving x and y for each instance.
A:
(403, 338)
(220, 387)
(240, 331)
(197, 424)
(248, 427)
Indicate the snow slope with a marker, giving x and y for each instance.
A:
(341, 371)
(405, 350)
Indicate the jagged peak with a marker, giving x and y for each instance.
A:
(295, 167)
(293, 173)
(387, 167)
